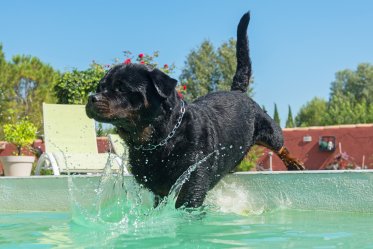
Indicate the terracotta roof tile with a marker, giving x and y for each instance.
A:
(329, 127)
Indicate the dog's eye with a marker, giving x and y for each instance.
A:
(135, 99)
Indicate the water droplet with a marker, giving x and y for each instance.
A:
(231, 146)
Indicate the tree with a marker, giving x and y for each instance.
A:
(4, 89)
(25, 83)
(357, 85)
(264, 109)
(227, 63)
(290, 120)
(351, 97)
(276, 116)
(200, 71)
(342, 109)
(312, 114)
(208, 69)
(350, 101)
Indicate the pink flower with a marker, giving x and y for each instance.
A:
(141, 55)
(142, 62)
(127, 61)
(180, 95)
(184, 87)
(165, 66)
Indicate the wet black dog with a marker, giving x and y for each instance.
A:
(165, 136)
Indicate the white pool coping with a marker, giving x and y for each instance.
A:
(347, 190)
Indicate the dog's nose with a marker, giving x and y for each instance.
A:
(94, 98)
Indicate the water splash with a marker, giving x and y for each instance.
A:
(175, 189)
(234, 198)
(121, 204)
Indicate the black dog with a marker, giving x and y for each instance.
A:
(165, 136)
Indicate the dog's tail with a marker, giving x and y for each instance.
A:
(243, 72)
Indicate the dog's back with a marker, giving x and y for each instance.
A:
(243, 72)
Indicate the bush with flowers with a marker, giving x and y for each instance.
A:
(74, 87)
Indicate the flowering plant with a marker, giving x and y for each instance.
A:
(147, 59)
(74, 87)
(342, 161)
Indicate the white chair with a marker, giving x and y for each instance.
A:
(70, 142)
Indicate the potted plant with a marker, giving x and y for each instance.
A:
(21, 134)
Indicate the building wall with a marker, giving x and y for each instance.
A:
(355, 140)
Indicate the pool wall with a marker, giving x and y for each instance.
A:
(308, 190)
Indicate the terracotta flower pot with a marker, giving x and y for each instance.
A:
(17, 165)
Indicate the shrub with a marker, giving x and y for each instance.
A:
(250, 159)
(21, 134)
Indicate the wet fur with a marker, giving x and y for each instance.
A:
(144, 106)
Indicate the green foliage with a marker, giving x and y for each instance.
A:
(290, 120)
(276, 116)
(350, 102)
(250, 159)
(356, 85)
(200, 71)
(25, 83)
(264, 109)
(312, 114)
(208, 69)
(21, 134)
(103, 132)
(227, 63)
(351, 99)
(74, 87)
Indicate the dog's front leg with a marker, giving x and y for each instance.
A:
(193, 192)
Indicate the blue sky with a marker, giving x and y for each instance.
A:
(296, 46)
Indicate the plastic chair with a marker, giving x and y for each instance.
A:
(70, 142)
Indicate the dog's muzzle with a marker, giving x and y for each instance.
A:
(97, 106)
(94, 98)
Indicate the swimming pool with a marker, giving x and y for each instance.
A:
(273, 229)
(256, 210)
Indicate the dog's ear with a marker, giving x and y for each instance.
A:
(163, 83)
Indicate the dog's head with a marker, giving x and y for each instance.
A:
(129, 95)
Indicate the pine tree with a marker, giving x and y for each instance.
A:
(290, 120)
(276, 116)
(264, 109)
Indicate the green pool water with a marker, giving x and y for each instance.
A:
(112, 211)
(178, 229)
